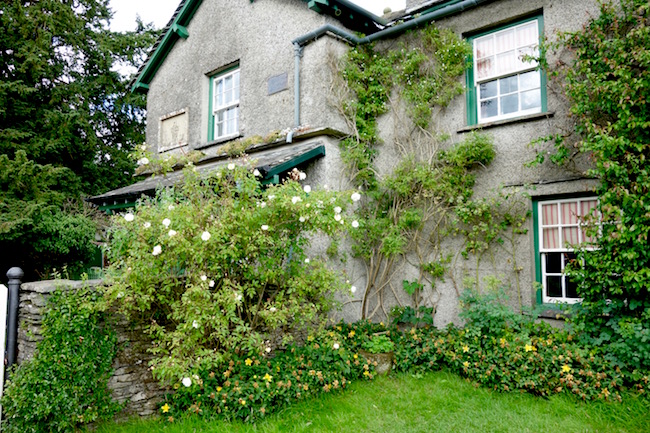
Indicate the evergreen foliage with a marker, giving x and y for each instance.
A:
(67, 122)
(608, 84)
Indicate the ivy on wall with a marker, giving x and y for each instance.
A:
(427, 197)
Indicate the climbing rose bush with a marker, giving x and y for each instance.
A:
(218, 267)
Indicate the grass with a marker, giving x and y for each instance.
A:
(435, 402)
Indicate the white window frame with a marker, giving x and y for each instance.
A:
(563, 249)
(225, 112)
(521, 67)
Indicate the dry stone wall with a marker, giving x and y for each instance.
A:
(132, 382)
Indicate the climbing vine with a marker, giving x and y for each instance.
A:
(607, 83)
(407, 213)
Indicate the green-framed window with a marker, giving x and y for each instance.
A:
(560, 228)
(224, 104)
(503, 82)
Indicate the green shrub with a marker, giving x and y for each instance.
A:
(379, 344)
(65, 385)
(219, 267)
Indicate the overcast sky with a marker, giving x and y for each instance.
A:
(160, 11)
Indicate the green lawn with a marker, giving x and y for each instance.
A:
(435, 402)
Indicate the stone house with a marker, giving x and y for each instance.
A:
(225, 70)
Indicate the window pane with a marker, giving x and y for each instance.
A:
(527, 34)
(531, 99)
(554, 286)
(570, 213)
(506, 62)
(510, 104)
(570, 236)
(571, 288)
(549, 214)
(484, 46)
(505, 40)
(588, 207)
(551, 238)
(236, 77)
(553, 263)
(489, 108)
(484, 68)
(525, 58)
(529, 80)
(488, 90)
(508, 84)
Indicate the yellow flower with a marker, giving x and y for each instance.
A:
(248, 361)
(566, 368)
(465, 348)
(465, 364)
(351, 334)
(529, 348)
(366, 373)
(310, 338)
(502, 341)
(165, 408)
(243, 402)
(355, 356)
(219, 389)
(268, 377)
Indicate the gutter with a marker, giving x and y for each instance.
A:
(300, 42)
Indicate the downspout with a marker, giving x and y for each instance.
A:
(300, 42)
(14, 275)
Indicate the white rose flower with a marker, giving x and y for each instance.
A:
(336, 346)
(144, 161)
(205, 236)
(187, 382)
(301, 219)
(211, 283)
(129, 217)
(272, 309)
(171, 233)
(238, 297)
(147, 225)
(195, 324)
(295, 199)
(143, 147)
(156, 250)
(307, 189)
(337, 209)
(265, 227)
(355, 224)
(204, 277)
(166, 222)
(303, 175)
(337, 217)
(263, 204)
(306, 260)
(170, 207)
(353, 289)
(256, 173)
(355, 196)
(271, 197)
(231, 166)
(268, 350)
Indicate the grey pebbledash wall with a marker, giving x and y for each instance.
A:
(131, 383)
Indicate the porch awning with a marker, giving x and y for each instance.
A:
(270, 163)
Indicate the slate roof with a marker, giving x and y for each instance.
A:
(269, 162)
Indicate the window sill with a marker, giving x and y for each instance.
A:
(549, 312)
(218, 141)
(528, 118)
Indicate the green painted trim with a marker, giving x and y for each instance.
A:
(471, 97)
(542, 79)
(110, 208)
(318, 5)
(181, 31)
(294, 162)
(275, 180)
(183, 17)
(538, 260)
